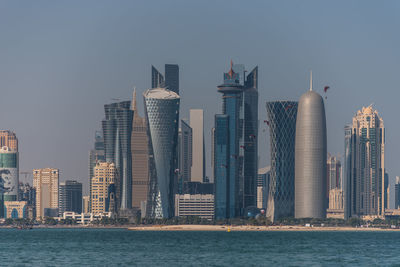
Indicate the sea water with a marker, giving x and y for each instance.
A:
(120, 247)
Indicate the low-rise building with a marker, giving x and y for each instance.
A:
(195, 205)
(85, 218)
(15, 209)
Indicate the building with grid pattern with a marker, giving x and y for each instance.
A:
(103, 190)
(162, 115)
(282, 125)
(8, 139)
(140, 153)
(195, 205)
(45, 182)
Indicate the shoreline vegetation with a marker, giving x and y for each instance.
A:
(193, 223)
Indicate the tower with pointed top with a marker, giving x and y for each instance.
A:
(140, 153)
(310, 157)
(235, 144)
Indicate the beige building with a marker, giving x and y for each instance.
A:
(198, 156)
(8, 139)
(85, 204)
(195, 205)
(45, 181)
(139, 148)
(102, 182)
(368, 196)
(15, 209)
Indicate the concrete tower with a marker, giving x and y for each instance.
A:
(310, 157)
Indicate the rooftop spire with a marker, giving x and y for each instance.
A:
(310, 80)
(134, 99)
(231, 72)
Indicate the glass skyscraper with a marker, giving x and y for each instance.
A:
(185, 154)
(69, 197)
(240, 104)
(95, 155)
(282, 125)
(117, 131)
(162, 115)
(171, 81)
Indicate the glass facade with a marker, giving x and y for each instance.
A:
(185, 154)
(70, 197)
(172, 77)
(117, 131)
(221, 163)
(9, 174)
(282, 125)
(162, 115)
(240, 104)
(157, 79)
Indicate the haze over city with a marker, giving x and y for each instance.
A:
(60, 62)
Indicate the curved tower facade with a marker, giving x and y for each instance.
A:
(282, 125)
(162, 115)
(310, 157)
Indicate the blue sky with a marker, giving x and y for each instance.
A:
(61, 61)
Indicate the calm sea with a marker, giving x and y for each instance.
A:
(115, 247)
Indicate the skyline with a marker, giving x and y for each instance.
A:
(78, 70)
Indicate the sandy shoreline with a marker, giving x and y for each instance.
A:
(225, 228)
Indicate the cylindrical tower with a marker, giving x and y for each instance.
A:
(162, 115)
(282, 125)
(310, 157)
(9, 179)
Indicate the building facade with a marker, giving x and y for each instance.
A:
(15, 209)
(162, 116)
(347, 172)
(310, 157)
(117, 132)
(9, 173)
(239, 109)
(282, 124)
(198, 149)
(140, 154)
(46, 182)
(8, 139)
(85, 204)
(70, 197)
(368, 189)
(263, 183)
(185, 138)
(96, 154)
(195, 205)
(103, 188)
(171, 81)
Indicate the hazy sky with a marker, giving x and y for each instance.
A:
(61, 61)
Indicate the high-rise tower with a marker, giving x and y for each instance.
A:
(117, 132)
(140, 154)
(171, 81)
(346, 185)
(282, 125)
(198, 149)
(368, 164)
(162, 115)
(310, 157)
(240, 110)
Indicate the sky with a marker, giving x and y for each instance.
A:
(61, 61)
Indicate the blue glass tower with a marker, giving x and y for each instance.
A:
(221, 163)
(232, 91)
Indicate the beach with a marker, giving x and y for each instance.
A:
(234, 228)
